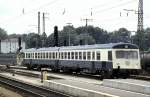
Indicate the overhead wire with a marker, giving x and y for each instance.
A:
(111, 8)
(115, 6)
(29, 12)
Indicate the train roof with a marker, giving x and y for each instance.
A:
(102, 46)
(85, 47)
(42, 49)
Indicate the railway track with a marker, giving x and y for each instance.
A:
(35, 91)
(140, 77)
(97, 77)
(84, 75)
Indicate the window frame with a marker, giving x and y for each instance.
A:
(98, 55)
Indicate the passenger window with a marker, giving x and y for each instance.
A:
(49, 55)
(61, 55)
(43, 55)
(80, 55)
(68, 55)
(53, 55)
(89, 55)
(76, 55)
(65, 55)
(72, 55)
(84, 55)
(32, 55)
(38, 55)
(93, 55)
(35, 55)
(29, 55)
(98, 55)
(109, 55)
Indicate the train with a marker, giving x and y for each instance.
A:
(145, 61)
(108, 60)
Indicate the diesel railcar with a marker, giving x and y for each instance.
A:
(105, 59)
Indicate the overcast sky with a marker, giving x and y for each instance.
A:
(20, 16)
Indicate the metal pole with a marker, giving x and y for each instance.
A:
(70, 24)
(140, 16)
(39, 23)
(43, 22)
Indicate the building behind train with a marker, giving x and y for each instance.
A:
(10, 45)
(8, 51)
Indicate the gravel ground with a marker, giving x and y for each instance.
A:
(7, 93)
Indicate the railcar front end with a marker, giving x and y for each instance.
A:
(126, 61)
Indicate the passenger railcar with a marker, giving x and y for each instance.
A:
(108, 60)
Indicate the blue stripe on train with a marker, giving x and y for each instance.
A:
(92, 66)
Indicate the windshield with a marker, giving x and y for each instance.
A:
(126, 54)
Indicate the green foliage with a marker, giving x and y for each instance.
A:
(86, 39)
(3, 34)
(146, 39)
(88, 35)
(82, 35)
(50, 40)
(97, 34)
(14, 36)
(43, 39)
(33, 40)
(122, 35)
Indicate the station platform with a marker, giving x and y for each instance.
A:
(129, 84)
(63, 76)
(79, 88)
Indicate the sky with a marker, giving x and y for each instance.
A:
(21, 16)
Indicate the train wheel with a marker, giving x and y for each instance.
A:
(106, 75)
(39, 68)
(28, 66)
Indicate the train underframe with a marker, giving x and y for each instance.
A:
(102, 71)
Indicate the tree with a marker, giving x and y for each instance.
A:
(33, 40)
(43, 39)
(146, 39)
(98, 34)
(68, 34)
(84, 38)
(122, 35)
(50, 40)
(3, 34)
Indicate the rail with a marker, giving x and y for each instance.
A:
(36, 91)
(140, 77)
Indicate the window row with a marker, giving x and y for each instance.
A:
(65, 55)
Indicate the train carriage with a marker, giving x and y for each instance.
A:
(104, 59)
